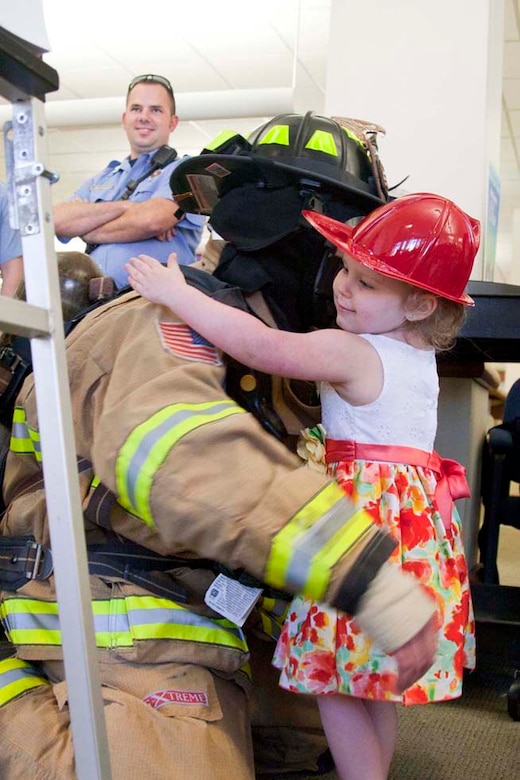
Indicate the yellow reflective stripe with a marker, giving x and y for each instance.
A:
(270, 627)
(211, 635)
(148, 446)
(312, 542)
(360, 524)
(278, 134)
(322, 141)
(24, 439)
(246, 669)
(119, 623)
(276, 607)
(355, 138)
(221, 138)
(95, 482)
(272, 615)
(27, 606)
(16, 612)
(186, 625)
(17, 677)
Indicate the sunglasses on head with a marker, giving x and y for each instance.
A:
(150, 78)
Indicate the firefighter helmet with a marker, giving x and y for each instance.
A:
(301, 149)
(76, 271)
(423, 239)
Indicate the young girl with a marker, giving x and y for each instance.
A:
(399, 297)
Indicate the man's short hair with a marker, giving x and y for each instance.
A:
(152, 78)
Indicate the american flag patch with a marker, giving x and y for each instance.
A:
(179, 339)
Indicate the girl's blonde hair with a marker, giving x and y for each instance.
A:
(441, 327)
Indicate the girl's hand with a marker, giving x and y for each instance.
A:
(154, 281)
(416, 656)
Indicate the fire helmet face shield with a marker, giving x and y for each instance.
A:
(422, 239)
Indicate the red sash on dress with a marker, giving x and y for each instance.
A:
(452, 482)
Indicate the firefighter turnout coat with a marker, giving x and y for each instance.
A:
(169, 462)
(194, 475)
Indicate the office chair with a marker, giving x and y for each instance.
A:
(500, 471)
(498, 606)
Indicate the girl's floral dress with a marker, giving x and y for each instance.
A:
(322, 650)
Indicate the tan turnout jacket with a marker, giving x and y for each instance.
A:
(195, 476)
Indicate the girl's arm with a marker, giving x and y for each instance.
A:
(324, 355)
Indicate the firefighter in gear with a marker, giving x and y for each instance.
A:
(185, 494)
(155, 430)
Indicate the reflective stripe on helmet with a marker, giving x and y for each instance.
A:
(277, 134)
(149, 444)
(321, 141)
(17, 677)
(333, 155)
(308, 547)
(354, 137)
(24, 439)
(119, 623)
(223, 137)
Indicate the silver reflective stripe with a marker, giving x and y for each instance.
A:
(20, 431)
(119, 618)
(29, 621)
(13, 675)
(17, 677)
(150, 439)
(314, 539)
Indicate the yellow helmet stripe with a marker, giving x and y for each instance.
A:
(278, 134)
(221, 138)
(148, 446)
(354, 137)
(322, 141)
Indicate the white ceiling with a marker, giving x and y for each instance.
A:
(202, 46)
(206, 47)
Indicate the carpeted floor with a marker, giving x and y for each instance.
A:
(473, 738)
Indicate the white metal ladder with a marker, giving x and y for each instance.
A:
(40, 319)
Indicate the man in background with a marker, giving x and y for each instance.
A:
(127, 209)
(11, 263)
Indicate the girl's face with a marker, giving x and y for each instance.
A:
(368, 302)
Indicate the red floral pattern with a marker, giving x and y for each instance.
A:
(323, 651)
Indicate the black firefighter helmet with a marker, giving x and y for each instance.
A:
(254, 189)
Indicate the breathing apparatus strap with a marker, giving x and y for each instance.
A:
(163, 157)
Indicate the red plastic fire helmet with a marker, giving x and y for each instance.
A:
(423, 239)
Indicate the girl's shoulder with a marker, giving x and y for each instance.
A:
(386, 344)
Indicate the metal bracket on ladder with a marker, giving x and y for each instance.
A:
(40, 319)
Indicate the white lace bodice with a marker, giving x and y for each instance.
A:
(405, 414)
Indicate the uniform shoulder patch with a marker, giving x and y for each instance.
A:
(184, 342)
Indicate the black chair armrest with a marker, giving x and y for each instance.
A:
(499, 441)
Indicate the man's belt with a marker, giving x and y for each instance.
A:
(22, 559)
